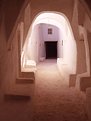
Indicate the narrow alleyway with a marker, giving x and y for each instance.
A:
(54, 100)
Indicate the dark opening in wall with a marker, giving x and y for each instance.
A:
(51, 49)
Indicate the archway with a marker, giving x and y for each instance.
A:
(67, 51)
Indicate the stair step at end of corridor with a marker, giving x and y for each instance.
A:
(24, 80)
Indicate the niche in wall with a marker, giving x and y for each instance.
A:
(51, 49)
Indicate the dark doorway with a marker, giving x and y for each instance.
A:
(51, 49)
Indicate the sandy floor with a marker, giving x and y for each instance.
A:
(16, 110)
(54, 100)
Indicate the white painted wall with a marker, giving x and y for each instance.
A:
(60, 44)
(35, 47)
(32, 49)
(50, 37)
(41, 46)
(69, 52)
(55, 36)
(61, 32)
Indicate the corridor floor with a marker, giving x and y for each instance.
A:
(54, 100)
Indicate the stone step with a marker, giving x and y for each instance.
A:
(24, 80)
(27, 75)
(85, 82)
(72, 80)
(12, 97)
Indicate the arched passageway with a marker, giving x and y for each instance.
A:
(50, 27)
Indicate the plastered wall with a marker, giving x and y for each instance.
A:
(9, 51)
(63, 6)
(8, 56)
